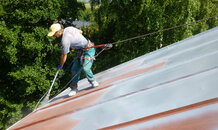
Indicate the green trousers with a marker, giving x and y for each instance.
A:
(83, 65)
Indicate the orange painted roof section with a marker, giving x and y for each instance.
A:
(172, 88)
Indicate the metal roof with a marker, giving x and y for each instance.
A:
(175, 87)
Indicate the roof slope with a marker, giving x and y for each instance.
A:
(172, 88)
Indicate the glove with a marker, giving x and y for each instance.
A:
(60, 67)
(108, 46)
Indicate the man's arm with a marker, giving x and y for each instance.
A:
(63, 58)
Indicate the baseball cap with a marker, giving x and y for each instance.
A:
(54, 28)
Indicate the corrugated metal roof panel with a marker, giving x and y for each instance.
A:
(172, 88)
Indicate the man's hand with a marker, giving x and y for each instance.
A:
(60, 67)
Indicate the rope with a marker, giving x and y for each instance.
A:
(163, 30)
(133, 38)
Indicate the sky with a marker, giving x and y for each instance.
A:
(84, 0)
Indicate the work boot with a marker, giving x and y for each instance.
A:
(74, 90)
(94, 83)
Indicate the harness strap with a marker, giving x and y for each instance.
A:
(89, 45)
(97, 46)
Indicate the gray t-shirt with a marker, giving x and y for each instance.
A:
(72, 38)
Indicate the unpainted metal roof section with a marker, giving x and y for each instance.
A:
(172, 88)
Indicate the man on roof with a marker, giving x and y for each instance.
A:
(72, 38)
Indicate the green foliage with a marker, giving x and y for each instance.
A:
(122, 19)
(9, 112)
(28, 57)
(86, 14)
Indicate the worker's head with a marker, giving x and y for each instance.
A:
(56, 30)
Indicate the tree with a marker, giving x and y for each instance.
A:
(28, 57)
(94, 3)
(123, 19)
